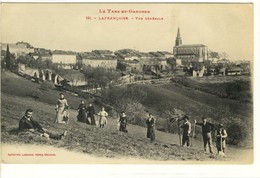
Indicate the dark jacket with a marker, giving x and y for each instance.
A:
(91, 110)
(206, 128)
(150, 124)
(123, 120)
(25, 125)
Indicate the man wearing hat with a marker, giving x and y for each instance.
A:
(186, 131)
(206, 133)
(221, 138)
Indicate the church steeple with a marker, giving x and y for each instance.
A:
(178, 41)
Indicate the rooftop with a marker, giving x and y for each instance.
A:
(191, 45)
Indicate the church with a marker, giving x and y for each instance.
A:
(189, 52)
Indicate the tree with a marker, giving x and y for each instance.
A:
(213, 54)
(8, 58)
(27, 60)
(100, 77)
(223, 55)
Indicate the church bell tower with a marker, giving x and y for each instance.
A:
(178, 41)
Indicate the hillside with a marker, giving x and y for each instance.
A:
(161, 98)
(90, 140)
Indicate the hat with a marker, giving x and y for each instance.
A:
(220, 125)
(186, 117)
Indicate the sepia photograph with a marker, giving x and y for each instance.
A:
(127, 83)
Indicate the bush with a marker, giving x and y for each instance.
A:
(237, 131)
(35, 94)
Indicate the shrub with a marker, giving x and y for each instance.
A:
(35, 94)
(237, 130)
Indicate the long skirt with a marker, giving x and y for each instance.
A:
(82, 116)
(91, 119)
(122, 127)
(60, 115)
(102, 120)
(151, 133)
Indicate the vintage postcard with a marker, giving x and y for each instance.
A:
(127, 83)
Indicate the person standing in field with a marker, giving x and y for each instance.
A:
(123, 122)
(102, 117)
(61, 107)
(91, 114)
(150, 127)
(221, 138)
(186, 131)
(82, 117)
(206, 133)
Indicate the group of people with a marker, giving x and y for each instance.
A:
(207, 129)
(87, 115)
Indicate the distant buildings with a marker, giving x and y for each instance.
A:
(103, 62)
(64, 57)
(19, 48)
(125, 59)
(190, 52)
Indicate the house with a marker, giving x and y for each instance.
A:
(123, 66)
(42, 53)
(127, 54)
(103, 53)
(166, 54)
(19, 48)
(163, 64)
(162, 54)
(135, 65)
(103, 62)
(235, 71)
(65, 58)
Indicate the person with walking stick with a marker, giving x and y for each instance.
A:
(186, 126)
(221, 139)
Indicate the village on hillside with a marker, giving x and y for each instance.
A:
(82, 79)
(188, 60)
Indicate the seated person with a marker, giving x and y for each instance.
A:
(28, 124)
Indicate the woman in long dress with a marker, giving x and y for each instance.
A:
(82, 117)
(123, 122)
(61, 107)
(150, 127)
(102, 118)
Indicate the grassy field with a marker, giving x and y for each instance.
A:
(195, 103)
(105, 142)
(88, 139)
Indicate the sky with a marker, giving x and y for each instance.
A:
(222, 27)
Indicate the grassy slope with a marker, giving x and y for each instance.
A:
(195, 103)
(91, 140)
(19, 86)
(85, 138)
